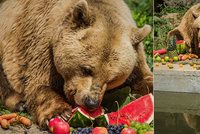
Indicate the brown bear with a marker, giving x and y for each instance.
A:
(57, 54)
(193, 121)
(188, 29)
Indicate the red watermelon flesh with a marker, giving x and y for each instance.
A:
(91, 114)
(140, 110)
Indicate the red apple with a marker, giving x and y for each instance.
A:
(61, 128)
(99, 130)
(128, 131)
(180, 57)
(53, 122)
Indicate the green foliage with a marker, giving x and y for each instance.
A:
(161, 28)
(113, 102)
(142, 12)
(4, 110)
(178, 9)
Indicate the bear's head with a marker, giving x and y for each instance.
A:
(95, 48)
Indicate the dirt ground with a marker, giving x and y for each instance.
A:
(22, 130)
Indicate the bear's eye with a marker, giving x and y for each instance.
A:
(86, 70)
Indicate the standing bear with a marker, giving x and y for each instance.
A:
(57, 54)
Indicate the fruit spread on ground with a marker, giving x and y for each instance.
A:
(134, 118)
(176, 56)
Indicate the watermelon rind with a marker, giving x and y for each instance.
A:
(102, 121)
(87, 116)
(81, 119)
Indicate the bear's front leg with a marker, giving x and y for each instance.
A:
(141, 79)
(138, 83)
(43, 103)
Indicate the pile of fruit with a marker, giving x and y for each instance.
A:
(179, 50)
(58, 126)
(176, 54)
(181, 57)
(133, 118)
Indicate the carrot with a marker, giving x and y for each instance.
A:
(11, 121)
(193, 56)
(25, 121)
(8, 116)
(5, 124)
(185, 57)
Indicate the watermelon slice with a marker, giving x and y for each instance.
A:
(140, 110)
(161, 51)
(83, 118)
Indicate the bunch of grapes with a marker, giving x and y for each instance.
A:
(86, 130)
(141, 127)
(115, 129)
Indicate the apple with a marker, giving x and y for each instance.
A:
(166, 59)
(99, 130)
(61, 127)
(158, 59)
(53, 122)
(128, 131)
(175, 58)
(180, 57)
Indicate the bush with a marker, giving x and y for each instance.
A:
(142, 12)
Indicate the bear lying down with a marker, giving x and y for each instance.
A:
(55, 55)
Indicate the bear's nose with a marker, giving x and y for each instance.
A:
(91, 104)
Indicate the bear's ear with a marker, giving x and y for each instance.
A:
(80, 14)
(196, 23)
(138, 34)
(196, 11)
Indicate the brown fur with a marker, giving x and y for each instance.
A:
(188, 29)
(57, 52)
(193, 121)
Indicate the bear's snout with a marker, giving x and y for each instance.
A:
(90, 103)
